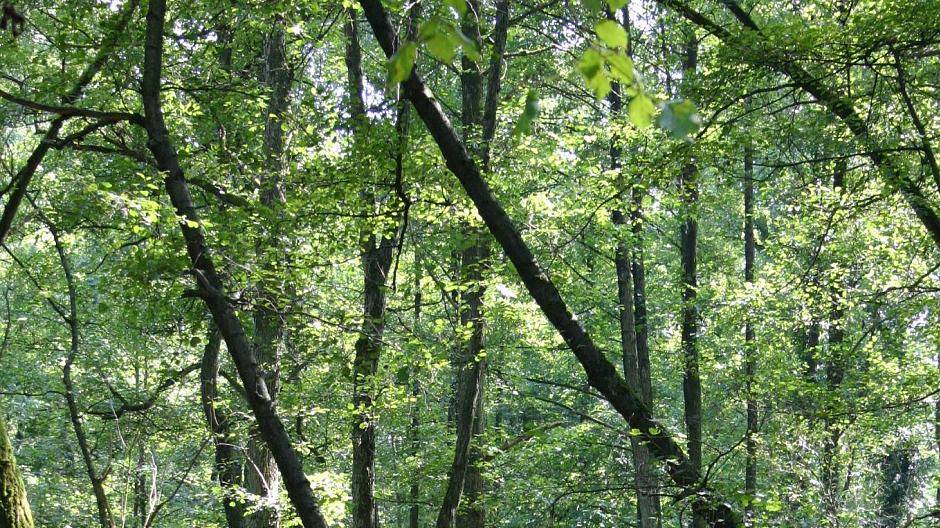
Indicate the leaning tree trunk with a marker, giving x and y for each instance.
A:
(210, 286)
(14, 508)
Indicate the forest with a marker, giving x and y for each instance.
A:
(467, 263)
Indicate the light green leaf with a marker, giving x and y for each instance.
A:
(402, 62)
(438, 37)
(621, 67)
(641, 110)
(529, 113)
(616, 4)
(612, 33)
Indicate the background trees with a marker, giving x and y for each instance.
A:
(317, 240)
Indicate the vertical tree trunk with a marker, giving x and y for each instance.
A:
(647, 502)
(835, 372)
(750, 466)
(262, 479)
(14, 508)
(414, 511)
(227, 468)
(376, 252)
(691, 379)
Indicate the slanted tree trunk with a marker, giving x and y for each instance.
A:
(600, 373)
(14, 508)
(209, 283)
(261, 477)
(750, 442)
(691, 376)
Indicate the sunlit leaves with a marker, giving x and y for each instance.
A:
(641, 110)
(529, 112)
(611, 33)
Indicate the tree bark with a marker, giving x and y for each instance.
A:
(14, 508)
(691, 375)
(750, 442)
(601, 374)
(262, 479)
(227, 468)
(210, 286)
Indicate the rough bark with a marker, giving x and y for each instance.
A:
(691, 375)
(228, 469)
(750, 442)
(261, 478)
(601, 374)
(14, 508)
(647, 500)
(210, 286)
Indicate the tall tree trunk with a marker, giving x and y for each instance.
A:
(227, 468)
(647, 501)
(261, 478)
(600, 373)
(209, 283)
(835, 373)
(750, 442)
(376, 253)
(414, 510)
(14, 508)
(691, 376)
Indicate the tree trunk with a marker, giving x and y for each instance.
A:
(105, 518)
(14, 508)
(210, 286)
(835, 373)
(414, 510)
(227, 468)
(691, 376)
(647, 500)
(601, 374)
(750, 442)
(261, 478)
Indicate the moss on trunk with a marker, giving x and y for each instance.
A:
(14, 509)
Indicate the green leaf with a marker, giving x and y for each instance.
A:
(591, 67)
(402, 62)
(612, 33)
(529, 113)
(621, 67)
(616, 4)
(641, 110)
(439, 40)
(680, 119)
(592, 6)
